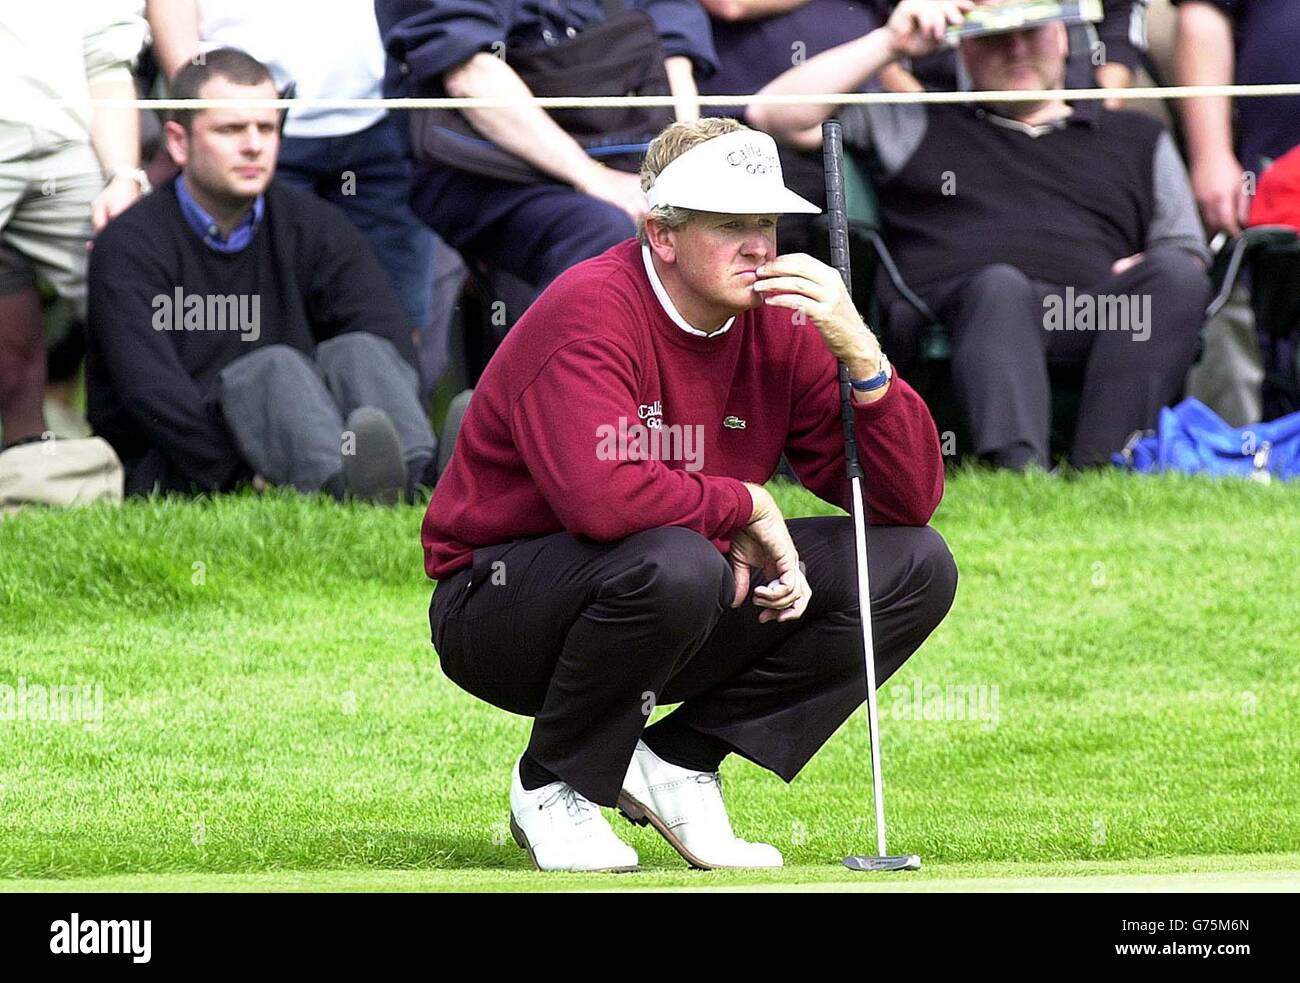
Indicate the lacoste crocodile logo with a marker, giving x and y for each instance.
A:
(733, 423)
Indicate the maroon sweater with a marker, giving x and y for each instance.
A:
(558, 434)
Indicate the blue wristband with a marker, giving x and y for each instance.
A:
(877, 381)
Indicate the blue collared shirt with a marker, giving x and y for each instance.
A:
(206, 228)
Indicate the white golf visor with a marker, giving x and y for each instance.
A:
(737, 173)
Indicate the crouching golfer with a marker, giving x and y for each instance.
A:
(603, 542)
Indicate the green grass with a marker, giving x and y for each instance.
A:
(274, 718)
(1264, 872)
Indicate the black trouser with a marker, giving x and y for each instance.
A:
(588, 637)
(533, 231)
(286, 410)
(1002, 347)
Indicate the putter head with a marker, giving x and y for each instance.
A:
(909, 862)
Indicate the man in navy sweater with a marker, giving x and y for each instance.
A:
(600, 530)
(241, 330)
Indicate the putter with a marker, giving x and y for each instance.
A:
(833, 159)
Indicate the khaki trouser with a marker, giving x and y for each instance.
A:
(47, 185)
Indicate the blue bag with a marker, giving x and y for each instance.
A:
(1191, 438)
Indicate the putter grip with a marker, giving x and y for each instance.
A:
(838, 222)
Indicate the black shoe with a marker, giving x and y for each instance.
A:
(421, 477)
(375, 471)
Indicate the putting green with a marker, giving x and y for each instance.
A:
(1260, 872)
(247, 700)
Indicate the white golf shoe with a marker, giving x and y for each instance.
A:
(562, 830)
(686, 808)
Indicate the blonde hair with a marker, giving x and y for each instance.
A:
(670, 144)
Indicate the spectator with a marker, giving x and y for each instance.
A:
(1106, 56)
(235, 322)
(22, 353)
(1013, 220)
(1245, 42)
(353, 158)
(532, 231)
(54, 157)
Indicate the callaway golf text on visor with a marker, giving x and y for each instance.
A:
(737, 173)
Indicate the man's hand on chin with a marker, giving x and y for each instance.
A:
(817, 292)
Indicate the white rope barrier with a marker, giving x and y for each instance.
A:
(821, 99)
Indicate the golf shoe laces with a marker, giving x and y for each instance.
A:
(575, 805)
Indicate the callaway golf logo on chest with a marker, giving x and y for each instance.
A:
(652, 414)
(648, 438)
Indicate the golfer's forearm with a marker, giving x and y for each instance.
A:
(175, 28)
(844, 68)
(524, 128)
(1205, 56)
(115, 133)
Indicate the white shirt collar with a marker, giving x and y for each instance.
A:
(667, 302)
(1034, 130)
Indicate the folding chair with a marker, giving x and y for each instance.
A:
(1270, 256)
